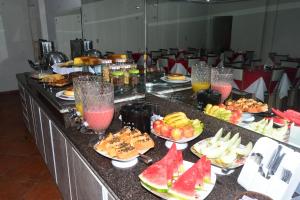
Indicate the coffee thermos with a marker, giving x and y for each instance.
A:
(79, 46)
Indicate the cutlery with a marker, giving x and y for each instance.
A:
(146, 159)
(276, 164)
(273, 160)
(286, 175)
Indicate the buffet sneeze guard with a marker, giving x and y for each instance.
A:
(271, 169)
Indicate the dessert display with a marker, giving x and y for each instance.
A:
(173, 178)
(86, 60)
(225, 152)
(125, 144)
(177, 127)
(247, 105)
(221, 112)
(176, 77)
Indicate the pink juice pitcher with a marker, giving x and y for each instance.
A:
(221, 79)
(98, 105)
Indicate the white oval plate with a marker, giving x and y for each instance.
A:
(61, 95)
(237, 163)
(187, 79)
(208, 187)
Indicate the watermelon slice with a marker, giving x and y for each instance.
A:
(173, 160)
(160, 174)
(184, 186)
(155, 177)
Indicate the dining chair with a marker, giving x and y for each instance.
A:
(227, 55)
(249, 57)
(173, 51)
(292, 64)
(172, 56)
(193, 61)
(129, 55)
(212, 60)
(279, 58)
(162, 63)
(164, 52)
(155, 55)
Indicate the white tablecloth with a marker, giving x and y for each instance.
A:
(283, 86)
(179, 69)
(258, 88)
(140, 61)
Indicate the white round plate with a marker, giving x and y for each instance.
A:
(207, 187)
(123, 165)
(61, 95)
(187, 79)
(179, 146)
(247, 117)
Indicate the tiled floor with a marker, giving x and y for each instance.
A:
(23, 173)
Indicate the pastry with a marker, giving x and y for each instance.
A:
(125, 144)
(177, 77)
(69, 92)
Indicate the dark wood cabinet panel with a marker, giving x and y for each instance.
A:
(29, 113)
(87, 185)
(38, 129)
(61, 162)
(45, 123)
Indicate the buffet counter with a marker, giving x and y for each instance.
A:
(81, 173)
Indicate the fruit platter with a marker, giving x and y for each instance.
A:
(266, 127)
(124, 146)
(225, 152)
(176, 127)
(247, 105)
(173, 178)
(221, 112)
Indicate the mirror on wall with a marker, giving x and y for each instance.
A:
(114, 25)
(261, 26)
(67, 27)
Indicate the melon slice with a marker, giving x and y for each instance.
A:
(184, 186)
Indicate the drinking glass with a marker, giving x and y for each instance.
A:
(200, 77)
(98, 105)
(221, 79)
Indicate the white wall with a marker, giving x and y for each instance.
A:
(287, 32)
(247, 23)
(114, 25)
(15, 42)
(67, 28)
(176, 24)
(263, 27)
(55, 8)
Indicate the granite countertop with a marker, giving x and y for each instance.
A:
(124, 183)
